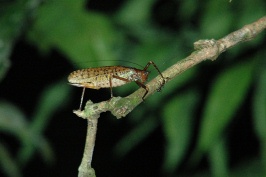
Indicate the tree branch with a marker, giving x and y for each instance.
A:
(120, 107)
(205, 49)
(85, 169)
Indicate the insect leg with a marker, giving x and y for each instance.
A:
(143, 86)
(154, 65)
(120, 78)
(137, 82)
(117, 77)
(81, 100)
(111, 84)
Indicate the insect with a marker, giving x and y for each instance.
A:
(111, 76)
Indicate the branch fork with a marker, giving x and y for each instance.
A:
(120, 107)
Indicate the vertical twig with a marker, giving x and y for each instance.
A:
(85, 169)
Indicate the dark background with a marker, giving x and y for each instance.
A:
(33, 69)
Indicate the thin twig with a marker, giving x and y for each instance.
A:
(85, 169)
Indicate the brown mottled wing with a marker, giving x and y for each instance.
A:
(96, 78)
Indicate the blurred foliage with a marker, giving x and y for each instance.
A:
(220, 95)
(94, 35)
(194, 111)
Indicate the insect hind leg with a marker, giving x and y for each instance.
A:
(140, 84)
(111, 83)
(143, 86)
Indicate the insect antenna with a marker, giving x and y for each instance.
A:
(79, 64)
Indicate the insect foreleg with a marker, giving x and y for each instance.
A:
(154, 65)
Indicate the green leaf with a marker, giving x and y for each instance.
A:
(8, 164)
(12, 120)
(259, 110)
(12, 18)
(212, 23)
(218, 158)
(177, 127)
(225, 97)
(82, 36)
(53, 98)
(188, 9)
(135, 12)
(135, 136)
(246, 11)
